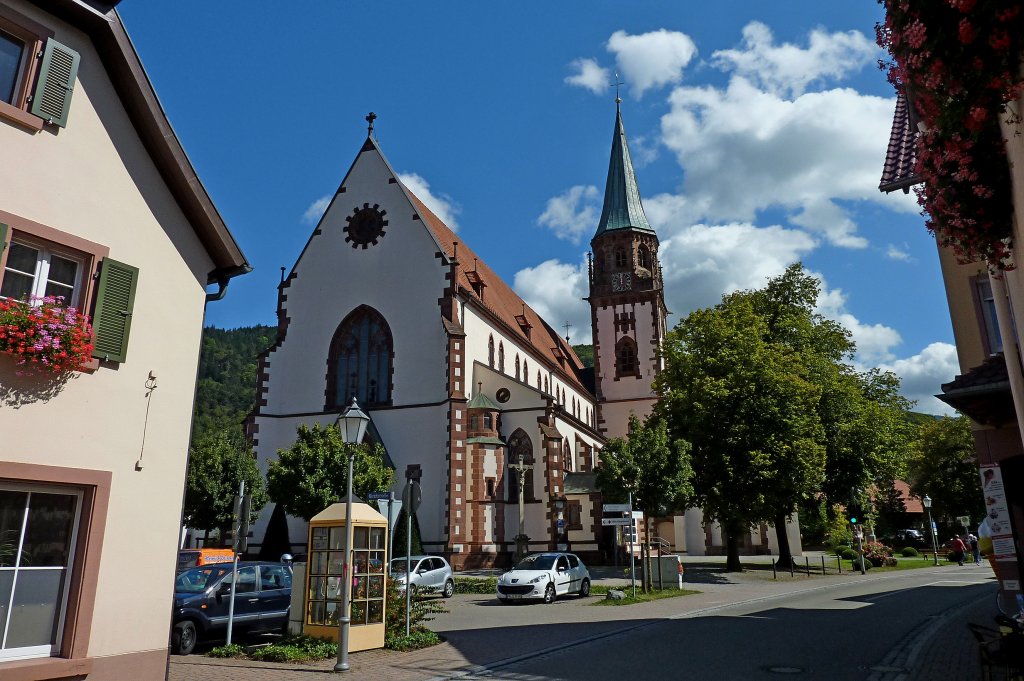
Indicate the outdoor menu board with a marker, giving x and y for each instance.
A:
(997, 512)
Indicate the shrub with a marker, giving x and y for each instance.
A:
(476, 585)
(421, 611)
(909, 552)
(878, 554)
(848, 554)
(233, 650)
(855, 563)
(296, 649)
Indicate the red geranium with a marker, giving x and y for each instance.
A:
(44, 333)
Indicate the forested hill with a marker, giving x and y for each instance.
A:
(227, 376)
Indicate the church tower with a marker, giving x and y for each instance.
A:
(627, 299)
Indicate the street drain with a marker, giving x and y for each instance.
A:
(785, 670)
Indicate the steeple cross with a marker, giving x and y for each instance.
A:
(370, 118)
(616, 84)
(567, 326)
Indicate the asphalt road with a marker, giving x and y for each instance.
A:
(843, 632)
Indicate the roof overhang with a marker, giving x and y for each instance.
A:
(983, 393)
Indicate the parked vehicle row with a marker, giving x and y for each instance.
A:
(544, 576)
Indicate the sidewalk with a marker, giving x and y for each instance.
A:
(939, 650)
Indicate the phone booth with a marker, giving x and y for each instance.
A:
(326, 569)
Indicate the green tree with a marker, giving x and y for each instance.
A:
(312, 474)
(217, 463)
(651, 466)
(943, 466)
(747, 406)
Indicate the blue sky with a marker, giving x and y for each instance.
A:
(757, 129)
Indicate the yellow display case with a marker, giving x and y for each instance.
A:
(327, 567)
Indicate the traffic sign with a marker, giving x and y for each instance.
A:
(616, 508)
(374, 496)
(616, 521)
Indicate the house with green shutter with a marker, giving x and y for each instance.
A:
(110, 250)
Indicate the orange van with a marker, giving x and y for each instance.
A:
(188, 558)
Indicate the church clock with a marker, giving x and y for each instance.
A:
(622, 281)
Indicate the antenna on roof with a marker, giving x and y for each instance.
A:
(616, 84)
(567, 326)
(370, 118)
(282, 275)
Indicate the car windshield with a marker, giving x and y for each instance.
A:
(197, 579)
(539, 562)
(398, 565)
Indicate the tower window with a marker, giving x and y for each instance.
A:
(620, 257)
(644, 257)
(625, 358)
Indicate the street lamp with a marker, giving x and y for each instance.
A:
(352, 426)
(927, 503)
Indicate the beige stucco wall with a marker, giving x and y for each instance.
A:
(962, 310)
(93, 179)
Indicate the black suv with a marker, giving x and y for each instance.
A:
(202, 596)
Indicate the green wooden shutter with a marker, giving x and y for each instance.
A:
(52, 97)
(112, 319)
(3, 241)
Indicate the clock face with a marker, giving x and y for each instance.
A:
(622, 281)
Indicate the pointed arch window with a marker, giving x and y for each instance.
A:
(620, 257)
(519, 443)
(517, 366)
(538, 379)
(567, 462)
(546, 389)
(360, 360)
(625, 358)
(644, 257)
(501, 357)
(490, 351)
(526, 371)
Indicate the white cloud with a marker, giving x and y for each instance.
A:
(894, 252)
(923, 375)
(875, 342)
(589, 75)
(651, 59)
(555, 290)
(442, 205)
(573, 213)
(316, 209)
(787, 69)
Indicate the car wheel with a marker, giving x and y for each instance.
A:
(549, 594)
(449, 589)
(585, 588)
(183, 640)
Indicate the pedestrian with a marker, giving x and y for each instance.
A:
(972, 541)
(959, 549)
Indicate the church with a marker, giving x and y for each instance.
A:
(463, 381)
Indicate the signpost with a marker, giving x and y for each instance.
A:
(616, 508)
(606, 522)
(411, 497)
(239, 543)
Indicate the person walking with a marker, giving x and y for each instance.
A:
(972, 541)
(959, 550)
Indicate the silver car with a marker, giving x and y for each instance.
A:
(545, 576)
(429, 573)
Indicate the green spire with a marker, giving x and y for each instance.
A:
(622, 207)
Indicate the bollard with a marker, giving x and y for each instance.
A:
(807, 566)
(792, 568)
(775, 574)
(839, 562)
(823, 566)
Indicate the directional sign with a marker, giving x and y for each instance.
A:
(616, 508)
(616, 521)
(374, 496)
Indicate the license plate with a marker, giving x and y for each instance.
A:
(514, 596)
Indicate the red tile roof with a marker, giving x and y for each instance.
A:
(912, 503)
(502, 303)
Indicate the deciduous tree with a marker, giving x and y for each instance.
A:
(217, 463)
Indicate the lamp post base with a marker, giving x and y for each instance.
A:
(522, 546)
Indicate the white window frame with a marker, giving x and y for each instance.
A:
(28, 652)
(40, 278)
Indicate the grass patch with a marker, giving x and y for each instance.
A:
(289, 649)
(911, 564)
(641, 597)
(417, 638)
(476, 585)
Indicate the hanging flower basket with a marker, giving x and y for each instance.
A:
(45, 336)
(959, 63)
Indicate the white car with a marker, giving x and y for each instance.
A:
(431, 574)
(545, 576)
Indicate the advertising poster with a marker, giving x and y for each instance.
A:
(997, 513)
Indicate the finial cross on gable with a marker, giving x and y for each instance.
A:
(616, 84)
(370, 118)
(567, 326)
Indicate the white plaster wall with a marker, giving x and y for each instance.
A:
(607, 337)
(94, 179)
(616, 415)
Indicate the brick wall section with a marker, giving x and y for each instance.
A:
(477, 488)
(551, 459)
(456, 492)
